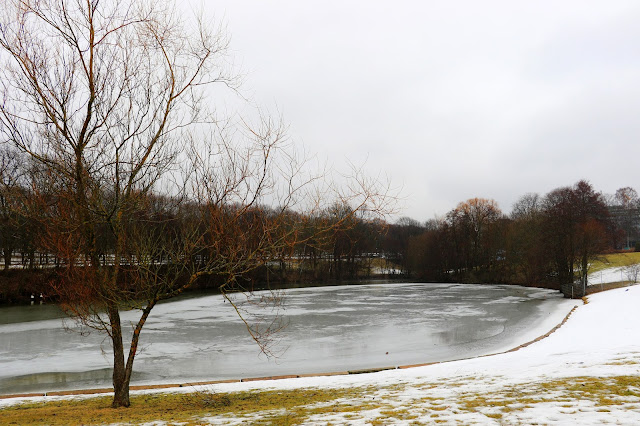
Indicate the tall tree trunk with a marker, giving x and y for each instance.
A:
(7, 252)
(120, 378)
(584, 278)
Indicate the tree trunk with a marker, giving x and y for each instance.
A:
(7, 252)
(120, 378)
(584, 275)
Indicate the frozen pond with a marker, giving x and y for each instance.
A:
(329, 329)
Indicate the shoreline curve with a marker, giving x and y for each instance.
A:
(102, 391)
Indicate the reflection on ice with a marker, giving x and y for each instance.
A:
(329, 329)
(508, 299)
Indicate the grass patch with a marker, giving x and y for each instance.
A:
(614, 260)
(622, 362)
(438, 407)
(399, 414)
(602, 392)
(381, 403)
(292, 407)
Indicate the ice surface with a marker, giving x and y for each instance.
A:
(328, 329)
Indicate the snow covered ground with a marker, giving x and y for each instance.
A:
(586, 372)
(612, 275)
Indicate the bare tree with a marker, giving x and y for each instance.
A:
(526, 207)
(471, 222)
(632, 272)
(139, 189)
(626, 207)
(12, 174)
(574, 227)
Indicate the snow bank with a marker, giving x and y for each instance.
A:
(609, 275)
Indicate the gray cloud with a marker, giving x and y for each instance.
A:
(452, 99)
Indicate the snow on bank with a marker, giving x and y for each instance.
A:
(600, 339)
(612, 275)
(535, 384)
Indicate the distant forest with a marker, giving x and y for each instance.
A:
(546, 240)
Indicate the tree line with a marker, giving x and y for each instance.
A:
(546, 240)
(37, 226)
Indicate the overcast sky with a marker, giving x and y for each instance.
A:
(452, 99)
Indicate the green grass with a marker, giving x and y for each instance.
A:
(615, 260)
